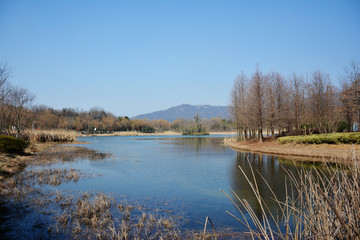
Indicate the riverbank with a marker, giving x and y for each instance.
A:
(299, 152)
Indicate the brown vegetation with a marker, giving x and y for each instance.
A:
(319, 204)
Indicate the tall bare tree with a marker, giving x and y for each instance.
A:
(297, 100)
(350, 94)
(282, 103)
(19, 104)
(238, 107)
(271, 113)
(318, 104)
(256, 101)
(4, 93)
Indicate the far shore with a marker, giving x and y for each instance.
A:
(165, 133)
(300, 152)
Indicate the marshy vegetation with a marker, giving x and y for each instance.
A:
(319, 204)
(62, 136)
(86, 215)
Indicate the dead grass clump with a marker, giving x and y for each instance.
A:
(53, 176)
(319, 204)
(101, 217)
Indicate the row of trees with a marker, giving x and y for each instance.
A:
(99, 120)
(18, 113)
(294, 105)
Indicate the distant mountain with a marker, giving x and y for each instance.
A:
(187, 111)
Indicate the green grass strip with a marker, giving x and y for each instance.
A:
(330, 138)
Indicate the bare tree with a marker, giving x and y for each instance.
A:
(282, 103)
(318, 104)
(4, 92)
(256, 101)
(297, 100)
(350, 94)
(238, 107)
(271, 113)
(19, 104)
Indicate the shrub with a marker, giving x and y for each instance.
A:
(147, 129)
(12, 145)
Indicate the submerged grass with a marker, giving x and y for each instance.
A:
(319, 204)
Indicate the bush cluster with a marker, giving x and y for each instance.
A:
(331, 138)
(12, 145)
(147, 129)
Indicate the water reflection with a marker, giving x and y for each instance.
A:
(262, 165)
(197, 144)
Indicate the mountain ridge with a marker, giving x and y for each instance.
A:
(187, 111)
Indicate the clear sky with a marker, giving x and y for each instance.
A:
(133, 57)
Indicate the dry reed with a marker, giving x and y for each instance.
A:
(51, 135)
(319, 204)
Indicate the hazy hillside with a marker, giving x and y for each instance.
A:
(187, 111)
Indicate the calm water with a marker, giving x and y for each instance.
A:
(180, 174)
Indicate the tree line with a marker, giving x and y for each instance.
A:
(97, 120)
(18, 112)
(274, 105)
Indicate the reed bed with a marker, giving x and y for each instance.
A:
(51, 135)
(101, 217)
(87, 216)
(319, 204)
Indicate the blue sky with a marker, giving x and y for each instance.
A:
(133, 57)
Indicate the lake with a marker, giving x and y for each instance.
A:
(180, 176)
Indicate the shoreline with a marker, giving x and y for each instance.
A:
(134, 133)
(299, 152)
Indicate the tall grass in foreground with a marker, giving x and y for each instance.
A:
(319, 204)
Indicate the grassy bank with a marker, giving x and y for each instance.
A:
(300, 151)
(331, 138)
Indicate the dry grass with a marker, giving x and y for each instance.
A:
(320, 204)
(101, 217)
(51, 135)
